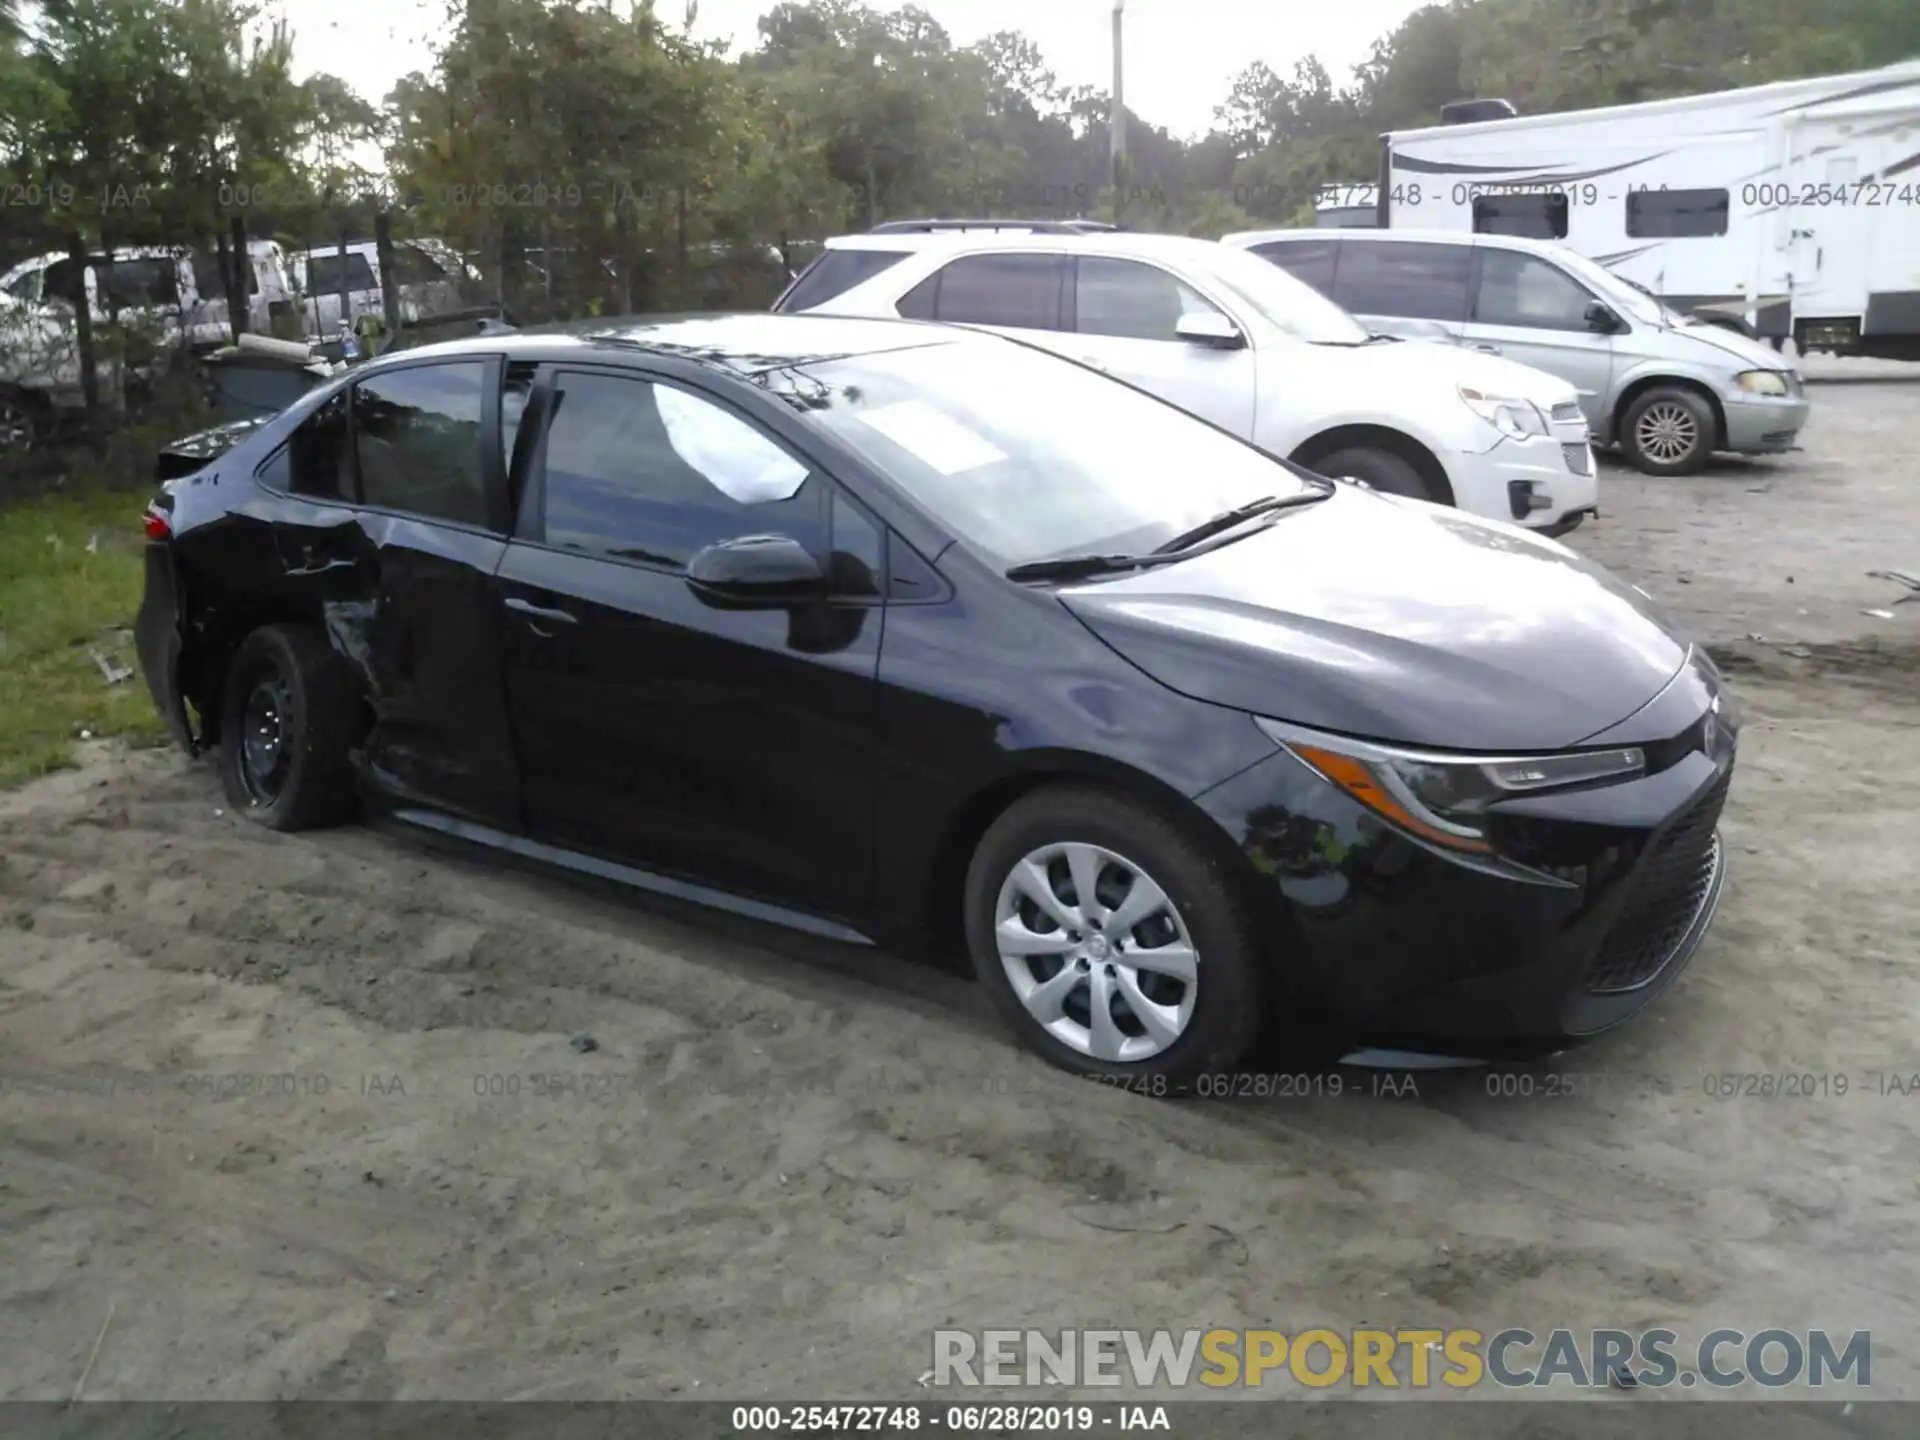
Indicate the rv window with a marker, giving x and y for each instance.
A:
(1308, 261)
(1409, 280)
(1534, 217)
(1665, 214)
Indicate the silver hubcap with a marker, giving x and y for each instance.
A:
(1667, 432)
(1097, 953)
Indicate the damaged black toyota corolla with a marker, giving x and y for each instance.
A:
(888, 631)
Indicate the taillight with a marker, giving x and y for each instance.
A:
(157, 526)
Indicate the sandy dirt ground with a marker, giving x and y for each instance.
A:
(316, 1116)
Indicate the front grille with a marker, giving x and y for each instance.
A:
(1579, 459)
(1675, 878)
(1567, 413)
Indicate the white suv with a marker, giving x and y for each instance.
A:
(1239, 342)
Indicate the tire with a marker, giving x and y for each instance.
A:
(1382, 469)
(1206, 1025)
(286, 677)
(26, 423)
(1659, 423)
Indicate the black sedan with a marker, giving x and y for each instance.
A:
(892, 632)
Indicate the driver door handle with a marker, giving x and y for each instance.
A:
(542, 612)
(1487, 349)
(1094, 361)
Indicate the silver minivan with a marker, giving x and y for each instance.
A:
(1668, 389)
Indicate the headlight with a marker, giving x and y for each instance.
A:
(1761, 382)
(1439, 798)
(1512, 417)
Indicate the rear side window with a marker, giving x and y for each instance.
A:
(1021, 292)
(1406, 280)
(417, 434)
(835, 273)
(649, 472)
(1309, 261)
(1532, 217)
(149, 280)
(1669, 214)
(319, 461)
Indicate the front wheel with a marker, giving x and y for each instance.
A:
(287, 726)
(1382, 470)
(1114, 946)
(1668, 431)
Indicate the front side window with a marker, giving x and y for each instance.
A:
(1525, 291)
(323, 272)
(639, 470)
(1029, 457)
(1131, 301)
(148, 280)
(834, 273)
(1405, 279)
(417, 434)
(25, 287)
(1020, 292)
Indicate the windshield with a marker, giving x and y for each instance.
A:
(1292, 305)
(1028, 457)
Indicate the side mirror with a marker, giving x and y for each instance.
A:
(1600, 317)
(1203, 327)
(756, 572)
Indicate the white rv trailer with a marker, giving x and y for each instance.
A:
(1790, 209)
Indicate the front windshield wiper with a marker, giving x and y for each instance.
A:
(1227, 519)
(1075, 567)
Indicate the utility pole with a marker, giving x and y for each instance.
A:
(1117, 119)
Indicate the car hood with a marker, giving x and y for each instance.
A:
(1395, 620)
(1436, 361)
(1718, 338)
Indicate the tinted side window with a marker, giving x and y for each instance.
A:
(146, 281)
(1413, 282)
(835, 273)
(323, 272)
(1523, 290)
(514, 394)
(1128, 299)
(1665, 214)
(1309, 261)
(414, 266)
(319, 460)
(1533, 217)
(417, 433)
(919, 302)
(643, 471)
(1019, 291)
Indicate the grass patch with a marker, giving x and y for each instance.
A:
(71, 575)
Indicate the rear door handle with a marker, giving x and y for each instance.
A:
(1094, 361)
(542, 612)
(1488, 349)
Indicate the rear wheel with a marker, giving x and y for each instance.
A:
(1381, 469)
(1110, 942)
(24, 422)
(288, 722)
(1668, 431)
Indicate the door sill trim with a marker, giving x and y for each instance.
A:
(629, 875)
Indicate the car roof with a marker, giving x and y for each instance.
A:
(948, 242)
(743, 344)
(1374, 237)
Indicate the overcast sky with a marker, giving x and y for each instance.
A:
(1181, 55)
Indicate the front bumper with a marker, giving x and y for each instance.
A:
(1542, 467)
(1404, 949)
(1763, 424)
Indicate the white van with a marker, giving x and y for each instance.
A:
(430, 274)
